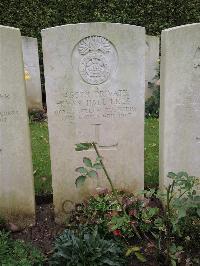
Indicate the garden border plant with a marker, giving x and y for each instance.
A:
(86, 247)
(93, 173)
(178, 199)
(17, 252)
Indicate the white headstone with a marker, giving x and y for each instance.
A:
(152, 63)
(31, 65)
(16, 178)
(95, 81)
(180, 101)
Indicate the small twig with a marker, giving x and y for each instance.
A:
(171, 189)
(136, 231)
(183, 193)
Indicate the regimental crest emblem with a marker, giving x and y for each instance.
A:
(95, 67)
(94, 44)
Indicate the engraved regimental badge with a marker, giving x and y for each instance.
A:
(98, 59)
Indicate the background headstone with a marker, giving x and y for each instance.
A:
(31, 65)
(95, 82)
(16, 178)
(152, 62)
(180, 101)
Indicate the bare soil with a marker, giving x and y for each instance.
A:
(43, 233)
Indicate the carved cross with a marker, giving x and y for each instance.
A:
(100, 142)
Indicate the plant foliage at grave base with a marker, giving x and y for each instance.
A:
(134, 219)
(181, 199)
(17, 253)
(103, 210)
(86, 247)
(173, 235)
(123, 217)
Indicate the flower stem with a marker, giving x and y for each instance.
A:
(107, 175)
(112, 186)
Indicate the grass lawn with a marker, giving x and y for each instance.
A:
(151, 152)
(41, 155)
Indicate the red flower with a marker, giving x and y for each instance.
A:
(117, 232)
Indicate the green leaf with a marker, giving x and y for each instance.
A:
(181, 174)
(179, 248)
(181, 213)
(132, 250)
(198, 212)
(87, 162)
(97, 166)
(92, 173)
(140, 256)
(83, 146)
(159, 223)
(118, 222)
(173, 262)
(173, 249)
(109, 262)
(81, 170)
(197, 198)
(80, 180)
(151, 212)
(171, 175)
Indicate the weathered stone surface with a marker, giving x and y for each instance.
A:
(31, 64)
(180, 101)
(16, 178)
(152, 63)
(95, 82)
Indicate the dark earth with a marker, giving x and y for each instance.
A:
(43, 233)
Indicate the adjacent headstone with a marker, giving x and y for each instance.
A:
(180, 101)
(95, 83)
(152, 63)
(31, 65)
(16, 178)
